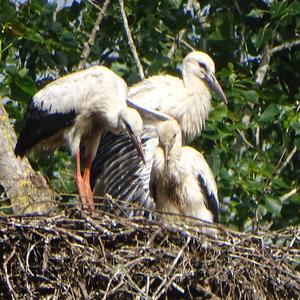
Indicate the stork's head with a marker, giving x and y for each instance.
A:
(169, 134)
(202, 66)
(131, 122)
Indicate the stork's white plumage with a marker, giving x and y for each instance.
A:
(188, 100)
(181, 181)
(77, 109)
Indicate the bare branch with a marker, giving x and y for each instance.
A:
(87, 45)
(238, 8)
(285, 163)
(5, 263)
(288, 195)
(180, 259)
(266, 57)
(264, 65)
(130, 40)
(244, 138)
(176, 42)
(190, 47)
(285, 46)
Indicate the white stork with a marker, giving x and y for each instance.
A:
(188, 100)
(181, 181)
(76, 110)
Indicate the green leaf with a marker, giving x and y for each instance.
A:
(256, 13)
(25, 82)
(7, 12)
(4, 91)
(251, 95)
(218, 113)
(273, 205)
(263, 36)
(270, 113)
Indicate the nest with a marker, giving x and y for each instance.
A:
(72, 256)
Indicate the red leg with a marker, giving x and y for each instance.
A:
(80, 182)
(86, 179)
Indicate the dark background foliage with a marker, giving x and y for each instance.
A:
(252, 145)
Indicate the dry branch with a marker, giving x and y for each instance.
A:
(267, 53)
(87, 45)
(113, 257)
(130, 40)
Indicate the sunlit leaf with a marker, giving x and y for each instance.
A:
(270, 113)
(273, 205)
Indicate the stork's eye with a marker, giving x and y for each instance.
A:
(202, 65)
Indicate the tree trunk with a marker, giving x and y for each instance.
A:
(27, 191)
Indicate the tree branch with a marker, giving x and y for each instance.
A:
(87, 45)
(264, 66)
(266, 57)
(130, 40)
(176, 42)
(288, 195)
(27, 190)
(285, 46)
(286, 162)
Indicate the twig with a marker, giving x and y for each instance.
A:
(291, 193)
(274, 172)
(130, 40)
(264, 65)
(87, 45)
(14, 294)
(28, 270)
(109, 283)
(96, 226)
(161, 287)
(244, 138)
(176, 42)
(83, 289)
(285, 46)
(141, 293)
(190, 47)
(238, 8)
(286, 162)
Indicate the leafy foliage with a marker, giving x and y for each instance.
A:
(252, 144)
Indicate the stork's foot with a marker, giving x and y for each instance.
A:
(82, 192)
(83, 184)
(90, 199)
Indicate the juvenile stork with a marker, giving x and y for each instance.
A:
(77, 109)
(187, 99)
(181, 181)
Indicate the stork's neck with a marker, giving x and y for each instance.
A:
(195, 108)
(174, 165)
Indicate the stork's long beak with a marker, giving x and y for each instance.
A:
(214, 84)
(149, 112)
(167, 150)
(137, 141)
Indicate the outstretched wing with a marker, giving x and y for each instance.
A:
(118, 171)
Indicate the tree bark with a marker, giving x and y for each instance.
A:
(27, 191)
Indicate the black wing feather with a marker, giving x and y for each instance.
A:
(117, 165)
(212, 199)
(39, 125)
